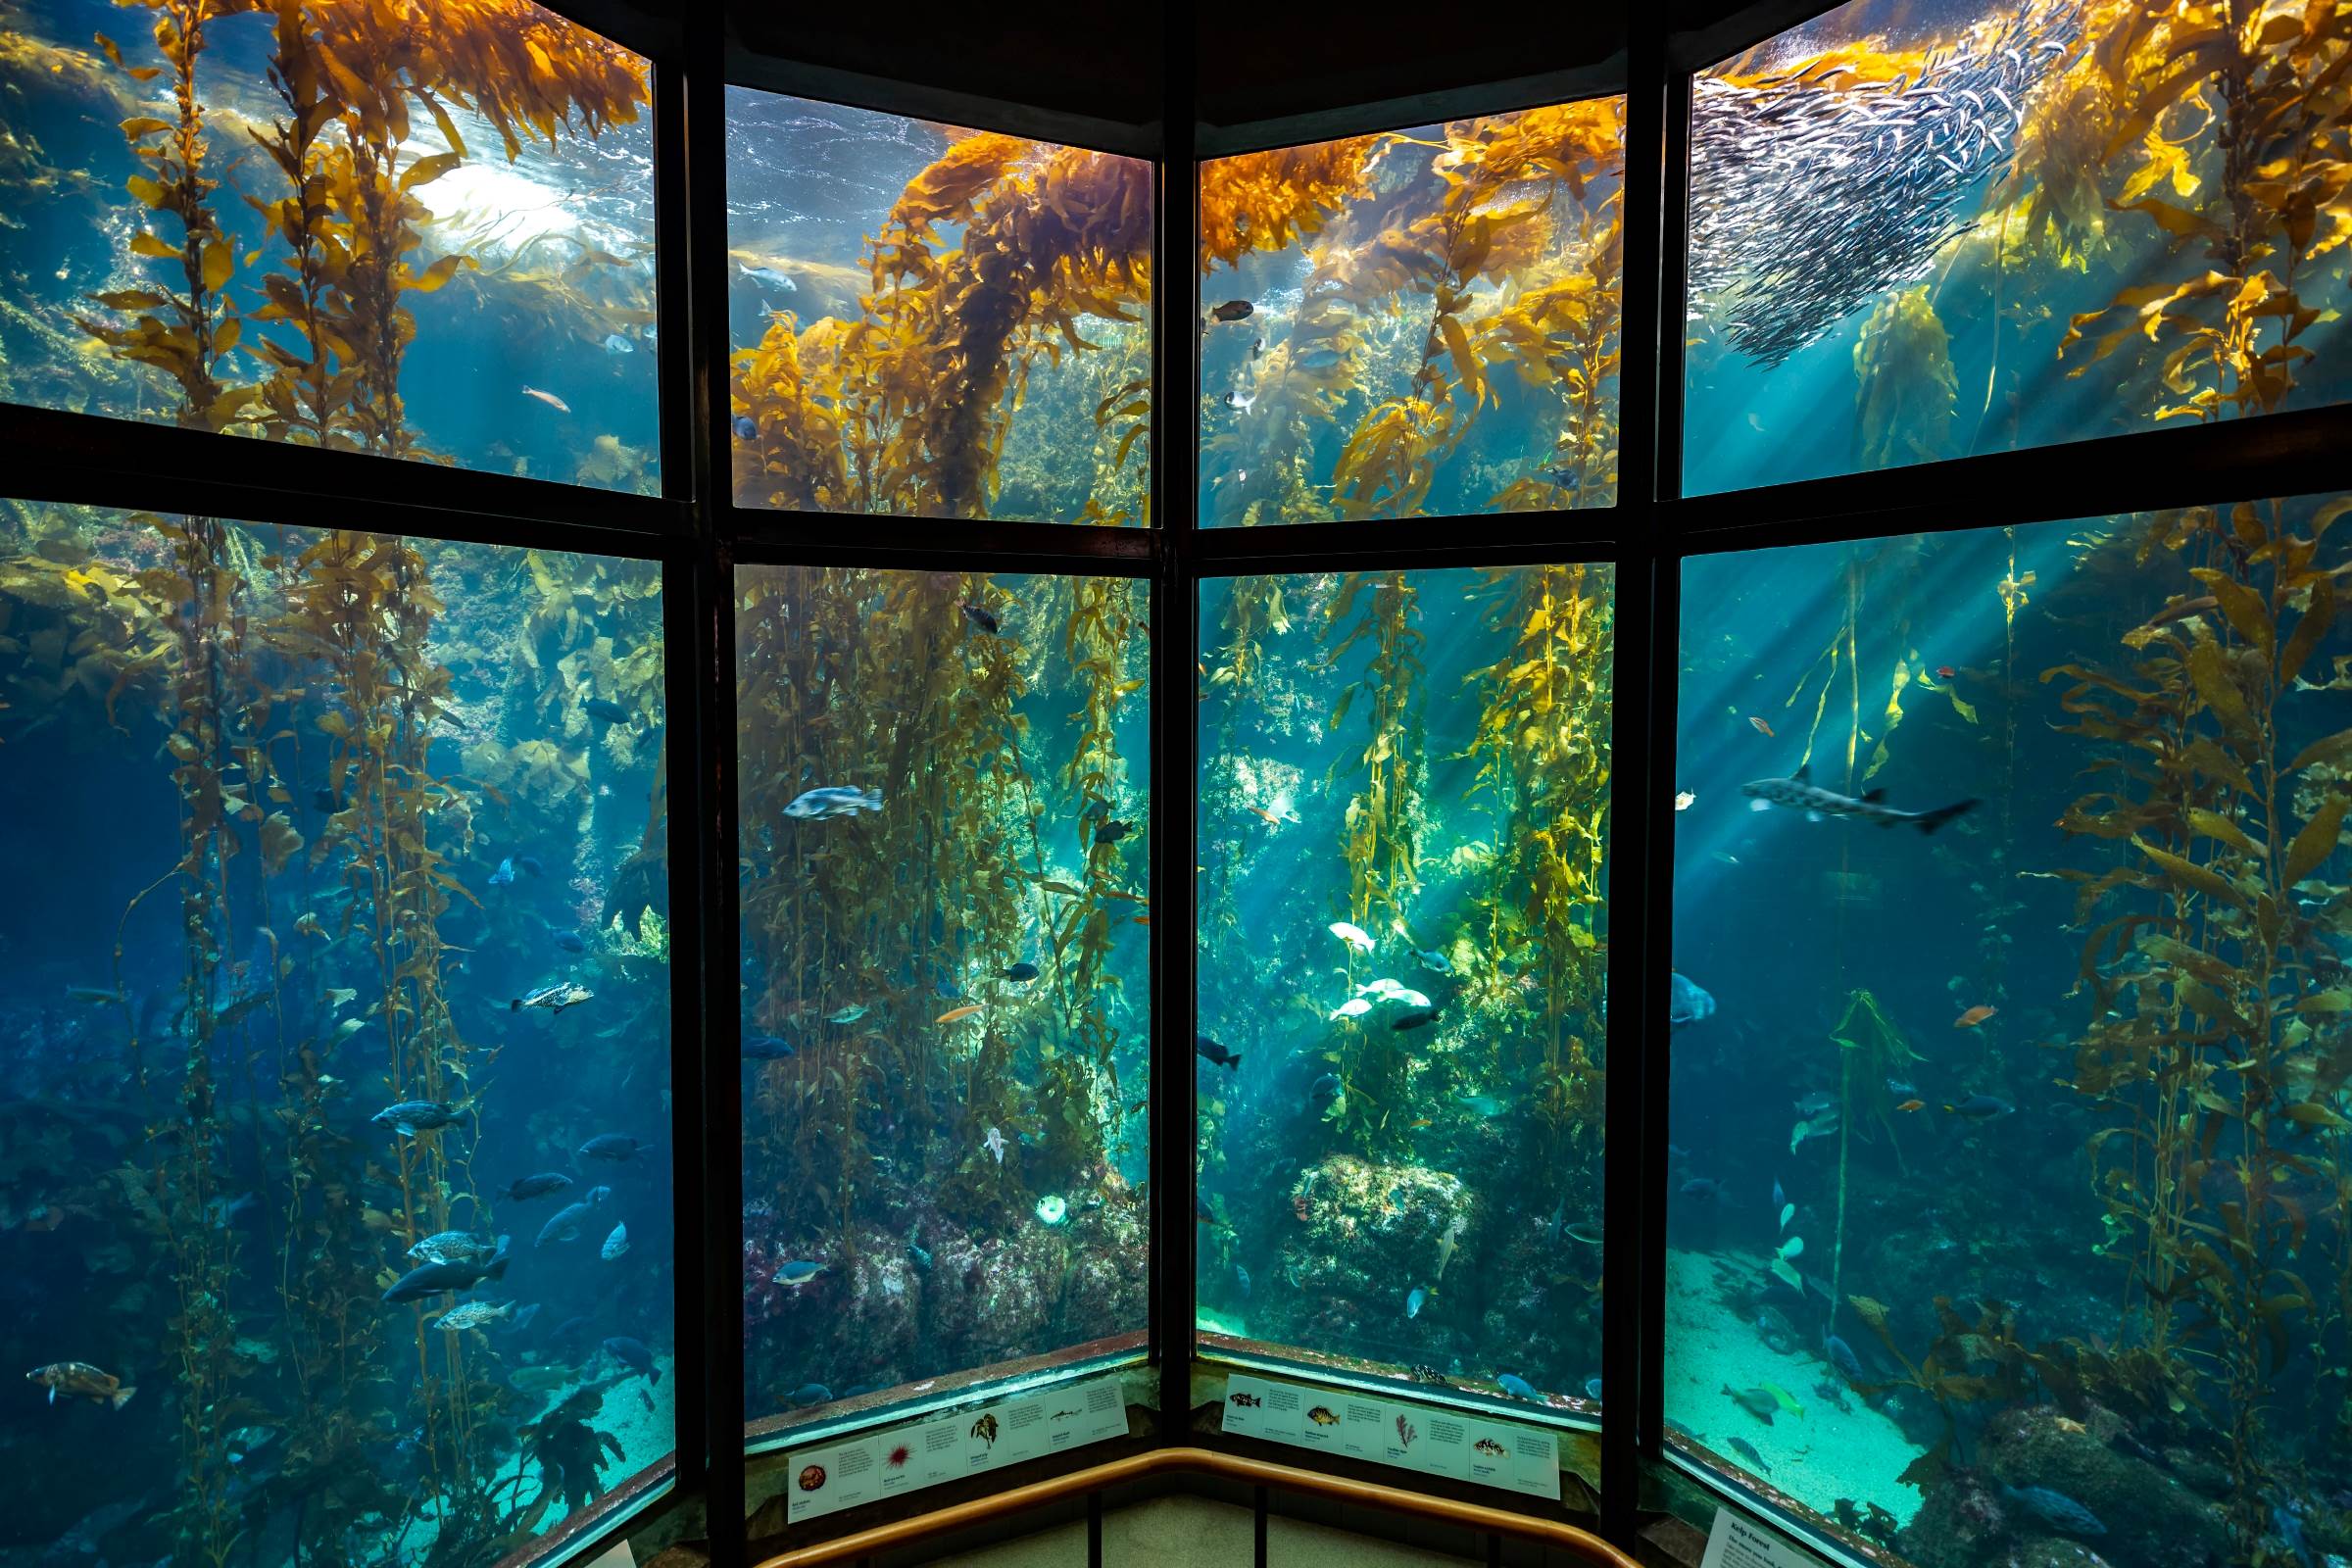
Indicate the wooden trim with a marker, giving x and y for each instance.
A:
(1203, 1461)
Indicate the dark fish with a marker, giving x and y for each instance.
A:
(1021, 972)
(523, 1318)
(432, 1279)
(2055, 1509)
(605, 711)
(1703, 1188)
(616, 1147)
(1233, 311)
(1203, 1214)
(1112, 832)
(326, 801)
(1780, 1199)
(767, 1048)
(1324, 1090)
(564, 1225)
(1747, 1450)
(537, 1186)
(412, 1117)
(1982, 1107)
(809, 1394)
(633, 1355)
(1418, 1018)
(745, 430)
(979, 616)
(1209, 1049)
(529, 865)
(1842, 1357)
(1798, 793)
(1757, 1402)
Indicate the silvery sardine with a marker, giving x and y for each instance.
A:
(1799, 793)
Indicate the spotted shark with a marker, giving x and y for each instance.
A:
(1799, 793)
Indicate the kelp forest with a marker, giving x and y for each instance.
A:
(946, 923)
(1421, 321)
(1404, 944)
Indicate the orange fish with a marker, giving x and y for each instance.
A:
(1271, 819)
(1912, 1105)
(1972, 1018)
(1762, 728)
(953, 1014)
(1143, 919)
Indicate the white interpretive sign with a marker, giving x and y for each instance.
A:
(1738, 1541)
(1410, 1437)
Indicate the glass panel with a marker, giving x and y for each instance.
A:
(1403, 824)
(424, 230)
(2010, 1139)
(1923, 232)
(1422, 321)
(935, 322)
(334, 1178)
(946, 965)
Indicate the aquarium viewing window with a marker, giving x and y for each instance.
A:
(700, 923)
(946, 907)
(1919, 234)
(935, 322)
(443, 252)
(1417, 322)
(1403, 824)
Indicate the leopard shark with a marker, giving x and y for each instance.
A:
(1799, 793)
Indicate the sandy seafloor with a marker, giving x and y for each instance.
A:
(1817, 1458)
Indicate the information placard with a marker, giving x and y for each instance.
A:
(1005, 1432)
(1738, 1541)
(1410, 1437)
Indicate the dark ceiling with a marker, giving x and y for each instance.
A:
(1301, 66)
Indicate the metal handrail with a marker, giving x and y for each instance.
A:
(1568, 1538)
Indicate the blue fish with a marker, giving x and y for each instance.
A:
(2056, 1509)
(504, 876)
(765, 1048)
(1241, 1277)
(1414, 1301)
(745, 430)
(614, 343)
(797, 1273)
(1688, 1004)
(921, 1255)
(833, 800)
(809, 1394)
(1842, 1357)
(432, 1279)
(1517, 1387)
(632, 1354)
(1592, 1388)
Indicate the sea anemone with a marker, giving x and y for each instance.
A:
(1052, 1210)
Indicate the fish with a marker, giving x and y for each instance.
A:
(1757, 1402)
(1947, 672)
(1112, 832)
(472, 1315)
(1702, 1189)
(80, 1380)
(1205, 1214)
(1812, 1127)
(979, 615)
(1448, 1242)
(1814, 1104)
(1259, 811)
(1413, 1300)
(1973, 1017)
(1324, 1090)
(848, 1015)
(615, 1146)
(968, 1010)
(1484, 1105)
(1901, 1086)
(615, 1244)
(1241, 1277)
(1322, 1416)
(597, 1195)
(222, 1212)
(995, 1144)
(1435, 962)
(1761, 727)
(542, 1379)
(745, 428)
(1209, 1049)
(1747, 1450)
(555, 999)
(1779, 1198)
(1842, 1357)
(564, 1225)
(1418, 1020)
(1798, 793)
(549, 398)
(633, 1355)
(831, 801)
(1241, 403)
(1353, 935)
(792, 1275)
(504, 876)
(1912, 1105)
(434, 1279)
(1982, 1107)
(1517, 1387)
(1022, 972)
(809, 1394)
(605, 711)
(535, 1186)
(522, 1317)
(410, 1117)
(2055, 1509)
(529, 865)
(1685, 800)
(1352, 1007)
(921, 1256)
(767, 1048)
(450, 1246)
(1232, 311)
(614, 343)
(1686, 1004)
(568, 941)
(1591, 1391)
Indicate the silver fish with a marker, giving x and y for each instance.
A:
(1799, 793)
(615, 1244)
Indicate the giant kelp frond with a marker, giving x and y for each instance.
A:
(1907, 392)
(1267, 201)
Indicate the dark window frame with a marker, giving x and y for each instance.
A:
(697, 535)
